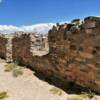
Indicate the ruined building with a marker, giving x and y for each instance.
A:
(71, 52)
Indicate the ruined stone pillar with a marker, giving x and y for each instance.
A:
(9, 49)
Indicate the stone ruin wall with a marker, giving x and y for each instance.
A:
(71, 53)
(3, 42)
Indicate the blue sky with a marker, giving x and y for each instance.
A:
(27, 12)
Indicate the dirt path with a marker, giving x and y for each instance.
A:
(26, 87)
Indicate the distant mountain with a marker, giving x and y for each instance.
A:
(37, 28)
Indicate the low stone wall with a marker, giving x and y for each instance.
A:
(72, 53)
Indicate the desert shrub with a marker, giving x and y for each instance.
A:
(82, 96)
(17, 72)
(14, 68)
(57, 91)
(10, 67)
(88, 94)
(3, 95)
(78, 97)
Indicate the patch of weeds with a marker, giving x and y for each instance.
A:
(14, 68)
(77, 97)
(57, 91)
(3, 95)
(83, 96)
(88, 94)
(10, 67)
(17, 72)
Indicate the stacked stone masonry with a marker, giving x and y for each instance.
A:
(71, 52)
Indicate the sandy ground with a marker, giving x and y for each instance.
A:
(28, 87)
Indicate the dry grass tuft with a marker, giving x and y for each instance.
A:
(14, 68)
(57, 91)
(10, 67)
(79, 97)
(3, 95)
(17, 72)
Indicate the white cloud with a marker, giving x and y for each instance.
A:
(41, 28)
(37, 28)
